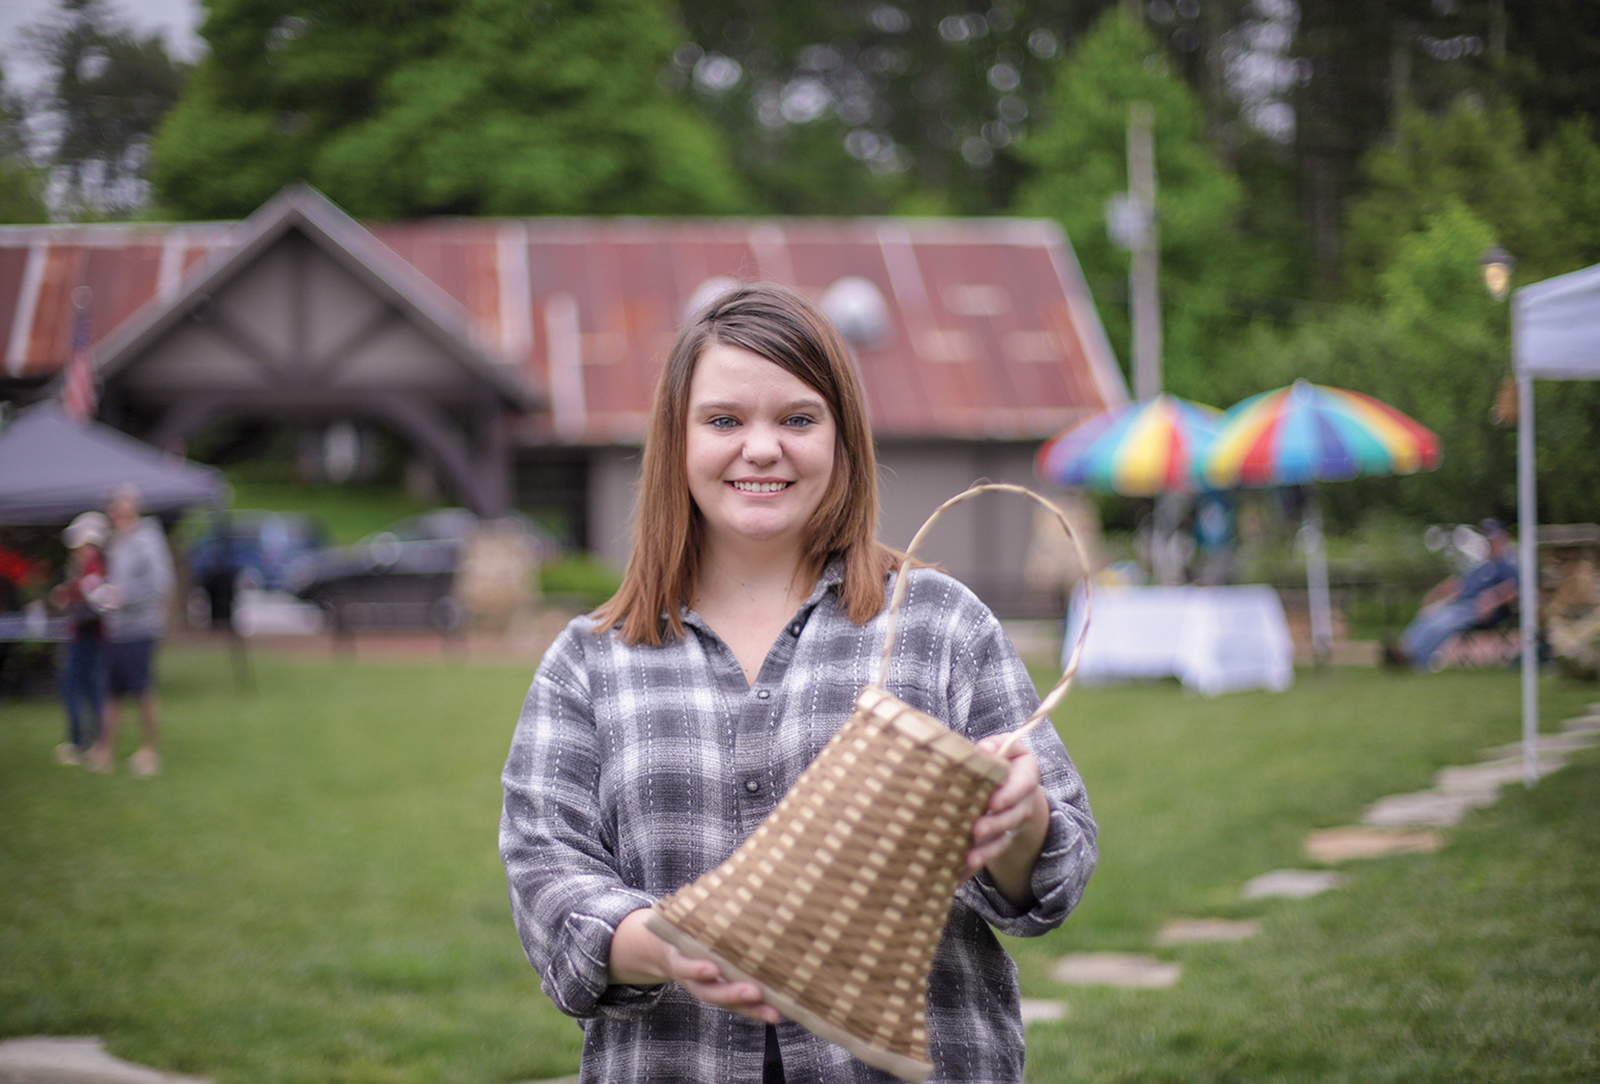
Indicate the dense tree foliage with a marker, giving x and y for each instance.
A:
(1469, 153)
(22, 182)
(1080, 163)
(106, 90)
(866, 106)
(488, 107)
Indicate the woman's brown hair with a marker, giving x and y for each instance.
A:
(783, 327)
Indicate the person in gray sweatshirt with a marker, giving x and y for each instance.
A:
(134, 599)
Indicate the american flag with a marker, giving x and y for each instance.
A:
(78, 391)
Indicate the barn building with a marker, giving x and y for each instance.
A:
(517, 356)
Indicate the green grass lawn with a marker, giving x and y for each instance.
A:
(310, 892)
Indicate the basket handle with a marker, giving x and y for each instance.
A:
(903, 582)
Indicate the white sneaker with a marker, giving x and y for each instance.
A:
(67, 753)
(145, 763)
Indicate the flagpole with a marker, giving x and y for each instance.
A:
(78, 388)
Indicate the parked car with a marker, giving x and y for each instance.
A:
(244, 550)
(402, 576)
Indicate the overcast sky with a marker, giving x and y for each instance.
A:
(176, 19)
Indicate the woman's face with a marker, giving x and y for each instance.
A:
(759, 448)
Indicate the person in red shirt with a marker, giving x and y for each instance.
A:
(83, 662)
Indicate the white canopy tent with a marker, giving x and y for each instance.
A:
(1555, 335)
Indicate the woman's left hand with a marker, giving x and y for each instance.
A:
(1007, 838)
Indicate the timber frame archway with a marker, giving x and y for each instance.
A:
(308, 318)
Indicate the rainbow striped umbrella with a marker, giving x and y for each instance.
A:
(1137, 449)
(1310, 433)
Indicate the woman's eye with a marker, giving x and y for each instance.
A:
(800, 421)
(722, 421)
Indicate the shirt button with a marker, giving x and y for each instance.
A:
(763, 694)
(794, 629)
(752, 785)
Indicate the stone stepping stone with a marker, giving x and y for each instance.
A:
(1292, 883)
(1039, 1011)
(1427, 808)
(1115, 969)
(1206, 931)
(1334, 845)
(1584, 724)
(1491, 775)
(45, 1060)
(1568, 741)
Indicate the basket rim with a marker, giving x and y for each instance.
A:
(905, 1068)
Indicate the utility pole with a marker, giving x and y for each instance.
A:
(1145, 265)
(1131, 219)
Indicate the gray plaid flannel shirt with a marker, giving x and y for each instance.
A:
(633, 770)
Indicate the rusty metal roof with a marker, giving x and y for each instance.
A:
(963, 328)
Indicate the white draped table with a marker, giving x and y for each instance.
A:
(1212, 639)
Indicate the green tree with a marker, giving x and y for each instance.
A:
(1473, 153)
(865, 106)
(1550, 67)
(22, 183)
(477, 107)
(1079, 161)
(106, 91)
(1570, 168)
(1433, 344)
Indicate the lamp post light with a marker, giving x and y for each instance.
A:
(1497, 266)
(1514, 406)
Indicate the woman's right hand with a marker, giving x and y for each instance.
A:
(640, 958)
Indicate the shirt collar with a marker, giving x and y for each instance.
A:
(831, 578)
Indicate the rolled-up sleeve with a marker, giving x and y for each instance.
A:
(1002, 697)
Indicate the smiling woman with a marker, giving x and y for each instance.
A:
(661, 730)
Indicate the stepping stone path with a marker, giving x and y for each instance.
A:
(1294, 884)
(1399, 824)
(1038, 1011)
(1334, 845)
(1205, 931)
(1114, 969)
(74, 1061)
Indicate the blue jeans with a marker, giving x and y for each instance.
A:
(1429, 631)
(83, 688)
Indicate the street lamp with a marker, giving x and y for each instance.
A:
(1497, 266)
(1513, 405)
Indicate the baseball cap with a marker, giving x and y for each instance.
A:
(88, 527)
(1491, 527)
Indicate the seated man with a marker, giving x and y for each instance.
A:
(1459, 603)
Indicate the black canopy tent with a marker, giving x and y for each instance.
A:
(52, 468)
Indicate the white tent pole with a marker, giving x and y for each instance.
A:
(1527, 575)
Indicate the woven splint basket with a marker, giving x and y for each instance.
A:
(834, 906)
